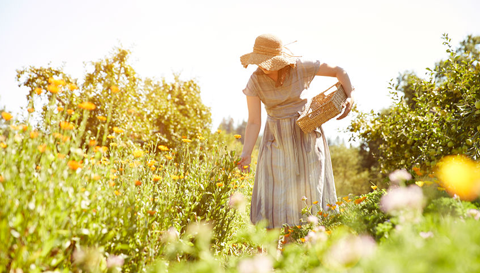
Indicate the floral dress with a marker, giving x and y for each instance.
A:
(291, 165)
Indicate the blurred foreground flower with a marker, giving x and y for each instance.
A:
(257, 264)
(348, 251)
(237, 200)
(398, 199)
(399, 176)
(237, 136)
(6, 116)
(115, 261)
(87, 259)
(460, 175)
(87, 105)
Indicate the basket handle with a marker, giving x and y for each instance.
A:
(322, 94)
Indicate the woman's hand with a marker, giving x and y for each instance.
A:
(348, 104)
(244, 163)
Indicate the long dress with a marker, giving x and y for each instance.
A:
(292, 165)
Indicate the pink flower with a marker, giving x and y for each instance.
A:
(426, 235)
(236, 200)
(258, 264)
(400, 198)
(313, 219)
(115, 261)
(348, 250)
(398, 176)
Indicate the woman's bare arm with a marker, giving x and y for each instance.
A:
(252, 129)
(342, 76)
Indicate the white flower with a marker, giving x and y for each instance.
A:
(304, 198)
(426, 235)
(349, 249)
(398, 176)
(313, 219)
(314, 237)
(114, 261)
(400, 198)
(473, 213)
(258, 264)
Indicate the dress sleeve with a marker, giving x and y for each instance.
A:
(250, 89)
(307, 70)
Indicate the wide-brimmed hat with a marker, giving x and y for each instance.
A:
(269, 53)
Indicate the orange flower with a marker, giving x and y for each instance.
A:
(61, 156)
(2, 179)
(33, 134)
(6, 116)
(56, 82)
(374, 187)
(87, 105)
(111, 183)
(3, 145)
(42, 148)
(157, 178)
(31, 110)
(96, 177)
(168, 157)
(339, 203)
(38, 91)
(117, 193)
(316, 202)
(53, 89)
(114, 89)
(74, 165)
(151, 163)
(110, 137)
(186, 140)
(72, 86)
(220, 184)
(138, 183)
(137, 153)
(237, 136)
(66, 126)
(59, 108)
(360, 200)
(151, 212)
(92, 143)
(70, 111)
(101, 118)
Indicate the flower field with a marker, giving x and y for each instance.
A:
(122, 174)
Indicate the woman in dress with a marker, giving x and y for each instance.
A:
(293, 167)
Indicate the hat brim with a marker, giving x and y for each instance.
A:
(267, 62)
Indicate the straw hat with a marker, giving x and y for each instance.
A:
(268, 52)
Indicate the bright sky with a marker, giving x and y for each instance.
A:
(373, 40)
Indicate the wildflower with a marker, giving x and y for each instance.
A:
(151, 212)
(113, 144)
(186, 140)
(66, 126)
(348, 250)
(6, 116)
(460, 175)
(220, 184)
(316, 235)
(137, 153)
(31, 110)
(236, 200)
(246, 167)
(59, 108)
(33, 134)
(132, 111)
(417, 171)
(339, 203)
(163, 148)
(92, 143)
(157, 178)
(316, 202)
(420, 183)
(151, 163)
(54, 89)
(61, 156)
(3, 145)
(70, 111)
(96, 177)
(74, 165)
(114, 261)
(138, 183)
(111, 183)
(473, 213)
(219, 131)
(168, 157)
(42, 148)
(259, 263)
(304, 198)
(313, 220)
(426, 235)
(333, 207)
(56, 82)
(87, 105)
(72, 86)
(360, 200)
(398, 199)
(2, 179)
(38, 91)
(101, 118)
(117, 130)
(374, 187)
(398, 176)
(114, 89)
(117, 193)
(237, 136)
(200, 137)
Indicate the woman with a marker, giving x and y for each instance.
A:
(293, 167)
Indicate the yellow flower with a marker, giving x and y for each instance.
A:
(117, 193)
(200, 137)
(168, 157)
(339, 203)
(420, 183)
(42, 148)
(219, 131)
(460, 175)
(111, 183)
(31, 110)
(374, 187)
(132, 111)
(174, 177)
(38, 91)
(114, 89)
(220, 184)
(113, 144)
(237, 136)
(110, 137)
(74, 165)
(92, 143)
(163, 148)
(117, 130)
(3, 145)
(157, 178)
(6, 116)
(87, 105)
(316, 202)
(101, 118)
(59, 108)
(72, 86)
(151, 163)
(186, 140)
(33, 134)
(70, 111)
(360, 200)
(137, 153)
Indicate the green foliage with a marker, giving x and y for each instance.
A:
(449, 206)
(435, 117)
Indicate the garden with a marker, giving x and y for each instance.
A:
(118, 173)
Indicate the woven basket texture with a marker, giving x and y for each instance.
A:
(322, 108)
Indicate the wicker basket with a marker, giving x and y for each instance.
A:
(322, 108)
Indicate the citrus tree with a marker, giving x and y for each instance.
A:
(431, 117)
